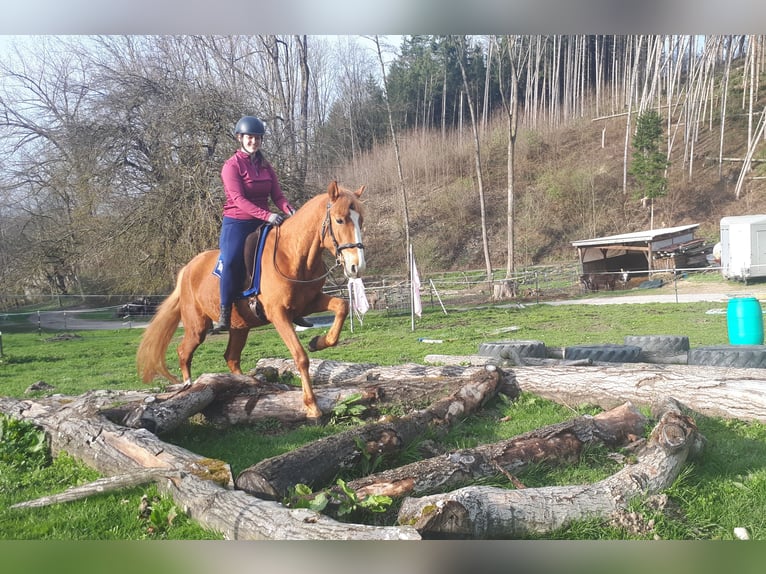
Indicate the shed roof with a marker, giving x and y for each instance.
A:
(641, 237)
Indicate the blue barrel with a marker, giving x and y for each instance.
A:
(744, 319)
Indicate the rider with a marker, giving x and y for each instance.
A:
(249, 181)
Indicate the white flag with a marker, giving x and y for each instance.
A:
(358, 297)
(416, 305)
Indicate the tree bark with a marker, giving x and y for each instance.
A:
(711, 391)
(317, 464)
(226, 400)
(486, 512)
(202, 487)
(554, 444)
(100, 486)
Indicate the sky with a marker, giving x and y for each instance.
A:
(384, 17)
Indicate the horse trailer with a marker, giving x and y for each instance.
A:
(743, 247)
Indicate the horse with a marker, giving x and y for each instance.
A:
(292, 276)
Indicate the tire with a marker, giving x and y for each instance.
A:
(506, 349)
(659, 344)
(603, 353)
(740, 356)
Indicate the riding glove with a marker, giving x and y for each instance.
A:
(276, 219)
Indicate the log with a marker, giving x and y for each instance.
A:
(227, 400)
(560, 443)
(423, 382)
(487, 360)
(318, 463)
(200, 486)
(479, 512)
(733, 393)
(100, 486)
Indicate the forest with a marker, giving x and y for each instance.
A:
(483, 152)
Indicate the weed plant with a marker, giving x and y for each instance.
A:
(723, 489)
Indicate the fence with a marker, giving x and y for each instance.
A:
(390, 294)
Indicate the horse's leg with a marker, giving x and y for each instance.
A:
(195, 331)
(284, 327)
(233, 353)
(330, 339)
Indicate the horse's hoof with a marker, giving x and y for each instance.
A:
(314, 415)
(313, 344)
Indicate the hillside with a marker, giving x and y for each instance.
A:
(568, 187)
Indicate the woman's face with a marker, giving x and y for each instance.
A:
(250, 142)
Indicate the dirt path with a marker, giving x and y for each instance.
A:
(683, 292)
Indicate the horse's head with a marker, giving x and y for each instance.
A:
(343, 228)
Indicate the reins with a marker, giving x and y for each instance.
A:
(326, 226)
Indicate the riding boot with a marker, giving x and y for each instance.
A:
(224, 320)
(303, 322)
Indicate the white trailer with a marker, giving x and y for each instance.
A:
(743, 247)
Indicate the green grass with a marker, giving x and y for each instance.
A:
(724, 488)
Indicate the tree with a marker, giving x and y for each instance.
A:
(460, 42)
(395, 141)
(649, 163)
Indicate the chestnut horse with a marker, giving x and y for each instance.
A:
(292, 277)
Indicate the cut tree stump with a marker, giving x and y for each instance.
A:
(480, 512)
(560, 443)
(318, 463)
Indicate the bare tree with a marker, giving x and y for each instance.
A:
(517, 55)
(405, 209)
(460, 42)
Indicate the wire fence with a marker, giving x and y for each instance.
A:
(391, 294)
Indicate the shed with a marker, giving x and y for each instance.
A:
(650, 250)
(743, 246)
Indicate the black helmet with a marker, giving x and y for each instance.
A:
(250, 125)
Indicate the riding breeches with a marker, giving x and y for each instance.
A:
(234, 232)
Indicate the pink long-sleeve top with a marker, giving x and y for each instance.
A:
(248, 186)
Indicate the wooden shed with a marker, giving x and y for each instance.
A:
(640, 251)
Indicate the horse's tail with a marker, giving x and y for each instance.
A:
(150, 358)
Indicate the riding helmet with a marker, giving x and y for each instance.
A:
(250, 125)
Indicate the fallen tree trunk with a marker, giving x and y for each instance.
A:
(554, 444)
(318, 463)
(493, 513)
(712, 391)
(100, 486)
(226, 399)
(201, 486)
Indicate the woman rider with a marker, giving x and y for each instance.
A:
(249, 181)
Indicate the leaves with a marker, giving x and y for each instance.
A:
(22, 444)
(342, 499)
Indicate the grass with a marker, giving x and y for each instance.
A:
(723, 489)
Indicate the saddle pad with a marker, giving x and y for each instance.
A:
(255, 284)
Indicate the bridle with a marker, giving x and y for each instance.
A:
(326, 226)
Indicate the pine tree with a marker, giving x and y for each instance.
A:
(649, 163)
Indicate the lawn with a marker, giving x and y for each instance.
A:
(725, 488)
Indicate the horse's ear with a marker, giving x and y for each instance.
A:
(360, 191)
(332, 190)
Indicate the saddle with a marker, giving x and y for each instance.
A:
(252, 253)
(252, 256)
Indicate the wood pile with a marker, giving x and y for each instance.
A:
(690, 254)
